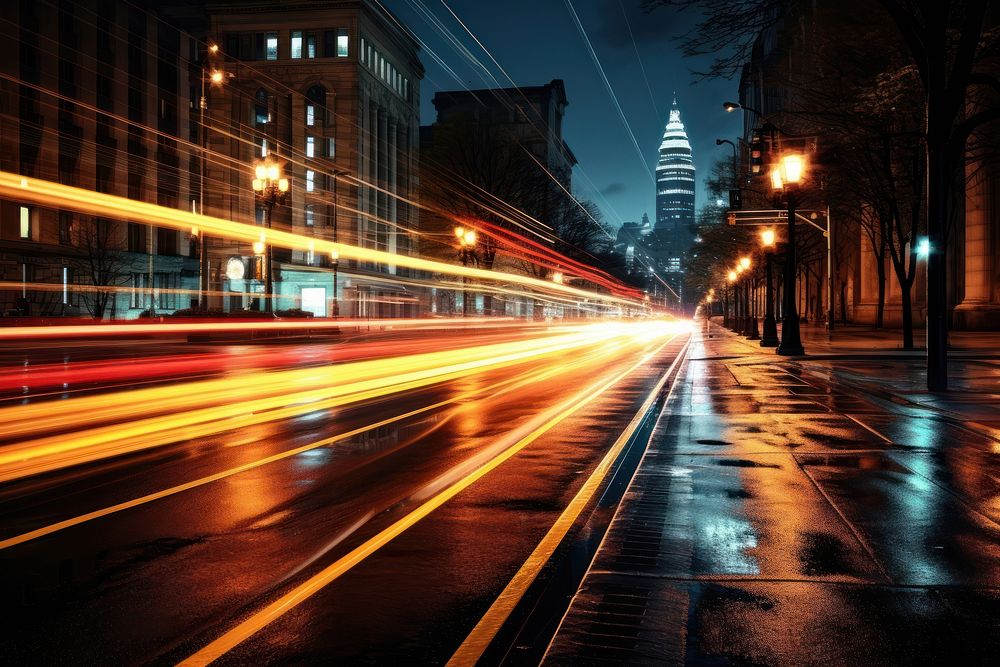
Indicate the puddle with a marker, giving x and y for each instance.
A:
(745, 463)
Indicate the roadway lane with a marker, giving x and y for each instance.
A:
(162, 578)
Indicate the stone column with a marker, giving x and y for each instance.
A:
(979, 308)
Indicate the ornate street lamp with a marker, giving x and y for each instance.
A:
(466, 251)
(786, 176)
(271, 188)
(770, 337)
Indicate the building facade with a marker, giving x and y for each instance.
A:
(94, 95)
(330, 90)
(530, 115)
(674, 229)
(174, 104)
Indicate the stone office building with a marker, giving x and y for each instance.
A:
(104, 95)
(93, 94)
(331, 91)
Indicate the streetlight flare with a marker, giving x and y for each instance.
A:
(776, 182)
(260, 172)
(460, 232)
(793, 168)
(216, 76)
(470, 237)
(744, 263)
(767, 238)
(732, 276)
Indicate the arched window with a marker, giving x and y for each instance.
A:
(261, 116)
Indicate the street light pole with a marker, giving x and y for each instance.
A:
(736, 160)
(770, 337)
(336, 259)
(785, 178)
(217, 77)
(271, 188)
(466, 249)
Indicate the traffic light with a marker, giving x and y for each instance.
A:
(735, 199)
(756, 151)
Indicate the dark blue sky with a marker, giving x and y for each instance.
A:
(536, 41)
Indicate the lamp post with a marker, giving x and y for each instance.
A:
(770, 337)
(466, 250)
(736, 160)
(270, 187)
(785, 179)
(215, 77)
(731, 280)
(335, 256)
(750, 303)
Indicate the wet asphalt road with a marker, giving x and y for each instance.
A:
(157, 581)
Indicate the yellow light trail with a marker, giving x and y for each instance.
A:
(55, 195)
(517, 439)
(476, 643)
(123, 422)
(501, 387)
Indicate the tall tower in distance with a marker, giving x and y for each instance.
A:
(674, 194)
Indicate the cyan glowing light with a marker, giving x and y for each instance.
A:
(923, 246)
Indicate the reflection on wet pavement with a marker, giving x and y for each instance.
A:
(782, 516)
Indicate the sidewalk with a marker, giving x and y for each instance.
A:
(798, 511)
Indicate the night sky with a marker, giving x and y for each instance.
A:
(536, 41)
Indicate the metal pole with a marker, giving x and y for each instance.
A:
(829, 269)
(465, 290)
(203, 240)
(268, 258)
(752, 332)
(336, 262)
(791, 342)
(770, 337)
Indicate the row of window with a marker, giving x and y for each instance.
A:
(373, 59)
(302, 44)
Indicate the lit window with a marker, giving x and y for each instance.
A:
(342, 43)
(331, 147)
(310, 45)
(310, 180)
(363, 51)
(67, 279)
(310, 215)
(310, 147)
(310, 114)
(272, 46)
(296, 44)
(25, 222)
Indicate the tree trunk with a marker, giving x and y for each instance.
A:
(906, 301)
(880, 307)
(937, 272)
(843, 301)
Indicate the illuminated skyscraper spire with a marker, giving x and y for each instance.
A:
(675, 181)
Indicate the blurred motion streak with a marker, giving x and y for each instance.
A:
(52, 435)
(57, 196)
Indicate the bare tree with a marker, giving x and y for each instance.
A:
(102, 264)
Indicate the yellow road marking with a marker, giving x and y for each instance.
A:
(479, 639)
(317, 582)
(142, 500)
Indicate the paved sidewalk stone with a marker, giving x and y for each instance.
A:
(803, 511)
